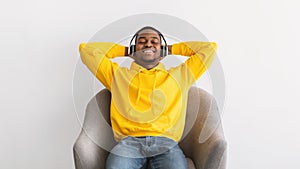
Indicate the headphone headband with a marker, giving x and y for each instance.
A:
(164, 49)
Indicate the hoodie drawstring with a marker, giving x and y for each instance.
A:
(139, 90)
(139, 86)
(154, 84)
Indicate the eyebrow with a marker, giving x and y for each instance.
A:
(145, 37)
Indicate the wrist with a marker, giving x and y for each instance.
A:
(126, 51)
(169, 49)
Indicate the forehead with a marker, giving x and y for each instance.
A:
(148, 33)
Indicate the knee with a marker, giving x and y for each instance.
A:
(116, 162)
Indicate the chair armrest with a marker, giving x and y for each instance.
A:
(87, 154)
(205, 143)
(96, 138)
(210, 154)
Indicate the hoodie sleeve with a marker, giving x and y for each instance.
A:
(96, 56)
(201, 55)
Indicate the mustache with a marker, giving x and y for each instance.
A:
(147, 49)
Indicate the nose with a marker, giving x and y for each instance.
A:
(148, 44)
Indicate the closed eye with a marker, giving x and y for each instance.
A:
(142, 40)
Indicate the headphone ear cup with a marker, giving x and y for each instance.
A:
(164, 51)
(132, 50)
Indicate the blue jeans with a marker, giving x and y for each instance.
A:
(140, 152)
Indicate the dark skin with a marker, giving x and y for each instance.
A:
(148, 46)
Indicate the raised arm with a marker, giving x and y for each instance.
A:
(201, 56)
(96, 56)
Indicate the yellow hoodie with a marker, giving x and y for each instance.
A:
(147, 102)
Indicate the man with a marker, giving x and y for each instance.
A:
(148, 102)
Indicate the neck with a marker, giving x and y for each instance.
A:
(148, 65)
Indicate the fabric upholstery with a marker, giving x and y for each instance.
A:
(203, 140)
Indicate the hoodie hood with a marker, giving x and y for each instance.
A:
(139, 68)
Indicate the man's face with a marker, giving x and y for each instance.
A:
(148, 47)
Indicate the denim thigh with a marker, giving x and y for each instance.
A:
(173, 158)
(134, 153)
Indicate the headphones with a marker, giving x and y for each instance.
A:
(164, 49)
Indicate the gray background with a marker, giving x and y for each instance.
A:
(258, 49)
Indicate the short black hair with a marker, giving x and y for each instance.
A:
(147, 27)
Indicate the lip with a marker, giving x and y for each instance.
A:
(148, 51)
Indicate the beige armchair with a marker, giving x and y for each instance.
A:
(203, 140)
